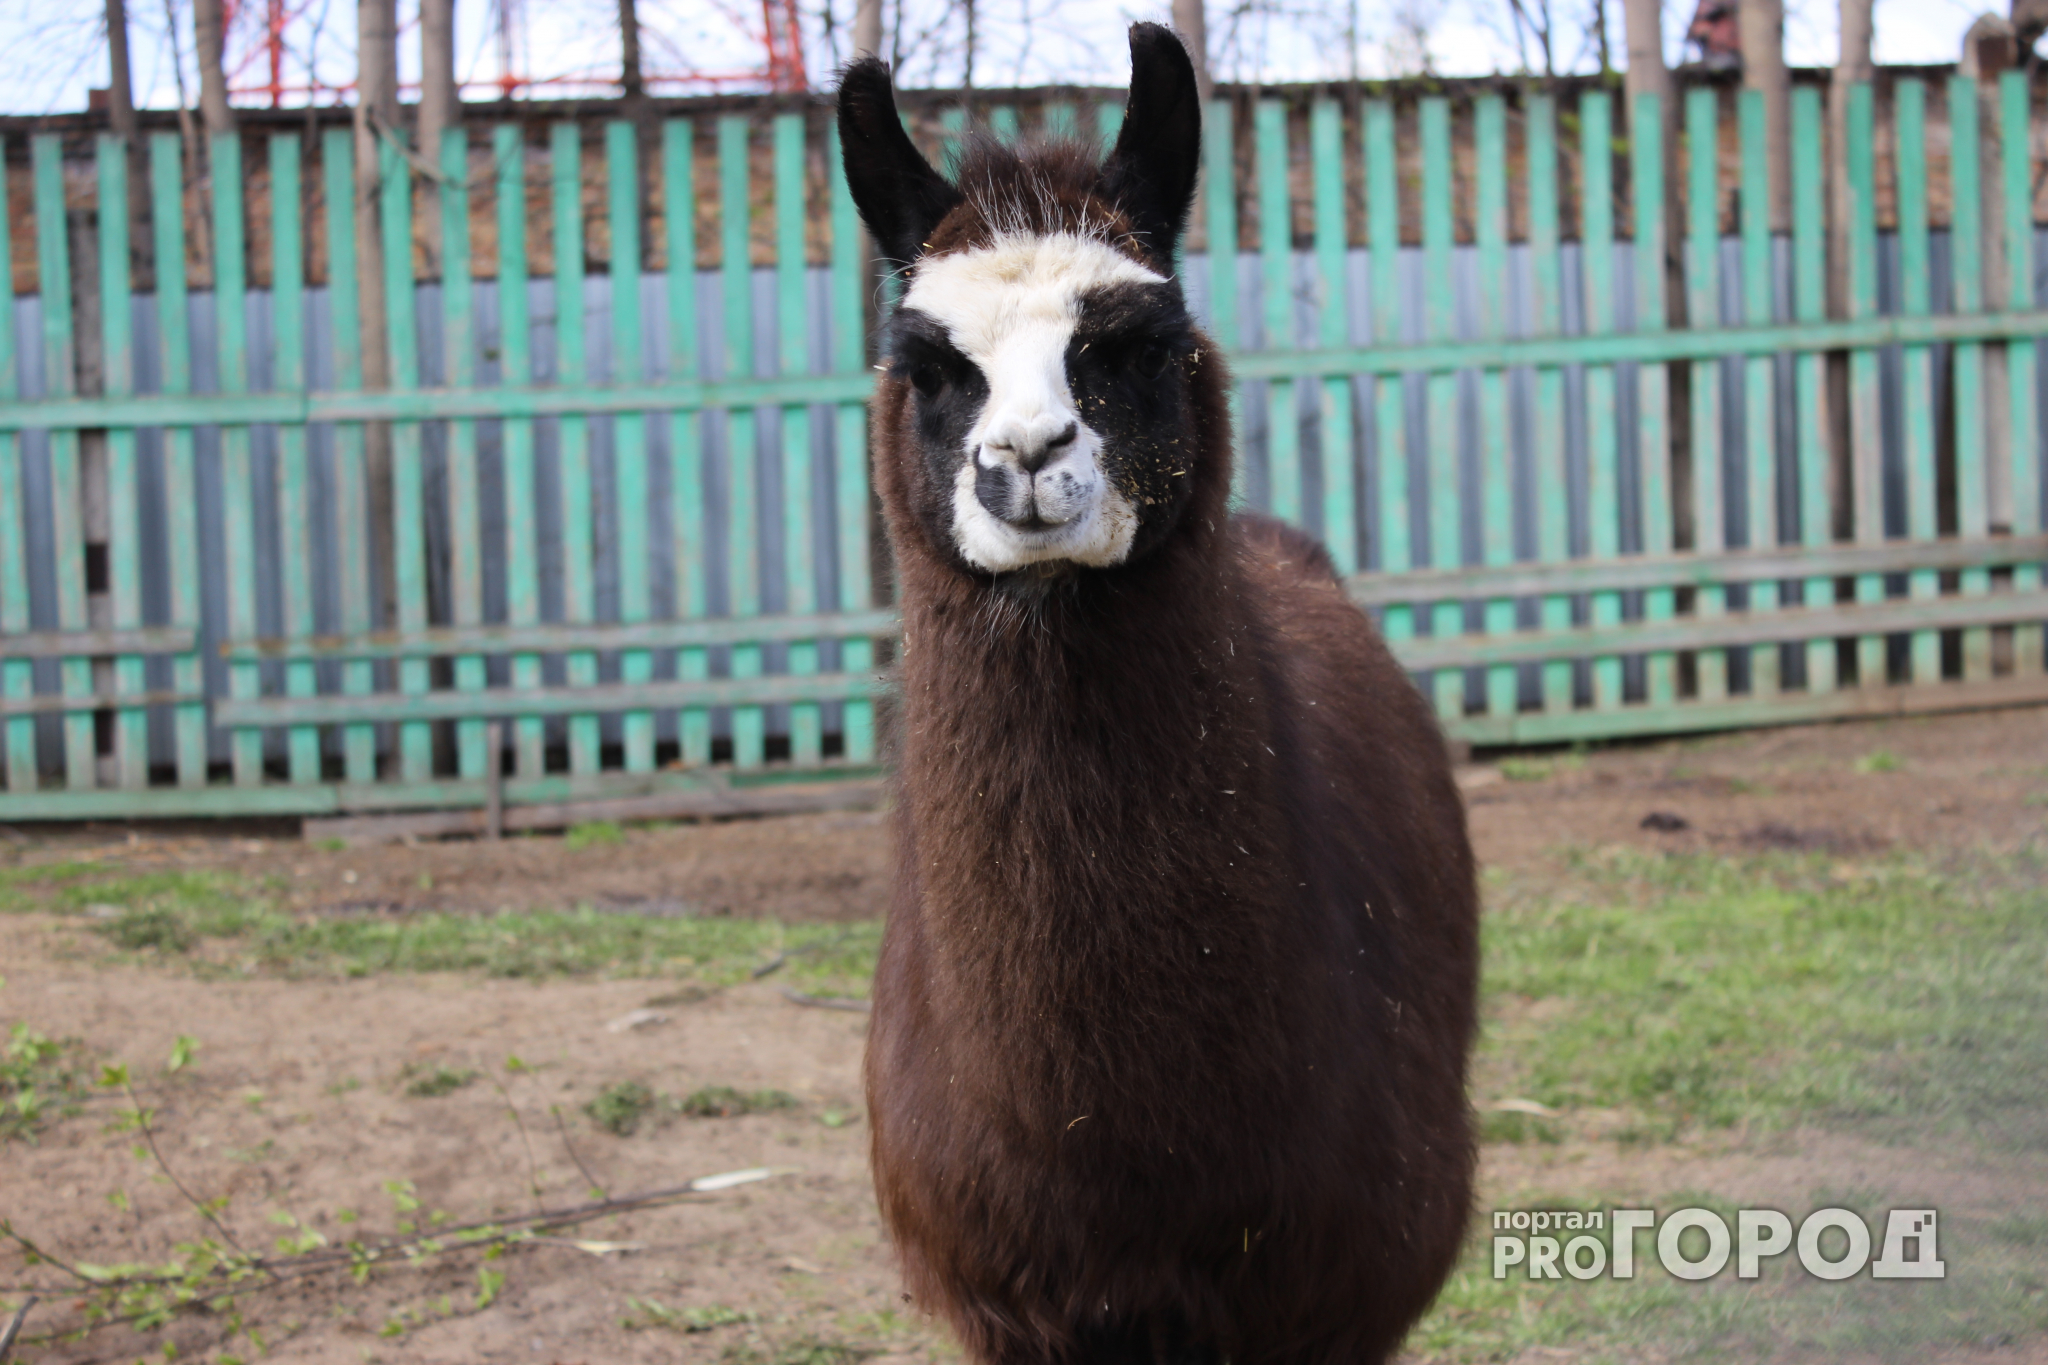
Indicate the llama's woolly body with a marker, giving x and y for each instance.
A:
(1167, 1053)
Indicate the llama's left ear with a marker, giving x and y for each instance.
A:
(1151, 174)
(900, 197)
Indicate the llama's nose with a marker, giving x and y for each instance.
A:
(1028, 449)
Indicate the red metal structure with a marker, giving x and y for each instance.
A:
(257, 49)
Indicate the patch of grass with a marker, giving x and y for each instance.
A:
(1989, 1293)
(618, 1109)
(593, 834)
(423, 1082)
(807, 1350)
(2022, 1229)
(41, 1078)
(651, 1313)
(222, 922)
(1879, 761)
(724, 1102)
(1689, 991)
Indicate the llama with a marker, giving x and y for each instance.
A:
(1167, 1057)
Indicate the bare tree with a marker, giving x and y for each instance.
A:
(867, 28)
(632, 86)
(440, 98)
(209, 31)
(1191, 21)
(120, 89)
(376, 120)
(1761, 24)
(1852, 67)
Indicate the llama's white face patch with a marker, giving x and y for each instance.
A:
(1033, 487)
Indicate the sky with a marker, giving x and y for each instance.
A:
(52, 51)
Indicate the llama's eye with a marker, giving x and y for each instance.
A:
(928, 379)
(1151, 359)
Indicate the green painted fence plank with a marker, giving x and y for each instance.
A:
(1745, 712)
(181, 498)
(557, 637)
(1276, 275)
(1909, 113)
(67, 526)
(1002, 122)
(629, 429)
(1439, 318)
(2017, 167)
(408, 464)
(1109, 124)
(293, 487)
(952, 134)
(743, 529)
(1703, 287)
(237, 475)
(1653, 413)
(1603, 444)
(1060, 120)
(1729, 629)
(124, 493)
(689, 548)
(465, 481)
(584, 398)
(353, 543)
(1966, 266)
(579, 548)
(1219, 159)
(799, 559)
(17, 676)
(1496, 463)
(1865, 433)
(1684, 569)
(850, 272)
(424, 708)
(1809, 290)
(1760, 377)
(1390, 422)
(1546, 269)
(515, 366)
(1340, 488)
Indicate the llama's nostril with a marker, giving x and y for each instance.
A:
(1031, 461)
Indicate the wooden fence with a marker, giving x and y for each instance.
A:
(645, 566)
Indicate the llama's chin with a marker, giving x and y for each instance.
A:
(1097, 536)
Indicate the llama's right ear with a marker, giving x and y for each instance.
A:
(900, 197)
(1151, 174)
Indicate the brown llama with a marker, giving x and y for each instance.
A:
(1167, 1060)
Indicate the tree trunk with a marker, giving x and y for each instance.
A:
(210, 35)
(1643, 24)
(867, 28)
(440, 100)
(1191, 21)
(1852, 67)
(376, 119)
(1762, 27)
(120, 92)
(631, 84)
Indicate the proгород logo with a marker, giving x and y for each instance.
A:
(1549, 1244)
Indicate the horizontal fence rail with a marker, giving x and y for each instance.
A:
(548, 533)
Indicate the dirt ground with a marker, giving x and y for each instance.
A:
(296, 1102)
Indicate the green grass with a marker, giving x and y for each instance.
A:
(1693, 992)
(621, 1108)
(1690, 997)
(221, 923)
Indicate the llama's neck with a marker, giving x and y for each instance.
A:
(1067, 759)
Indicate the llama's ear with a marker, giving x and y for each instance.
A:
(1151, 174)
(900, 197)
